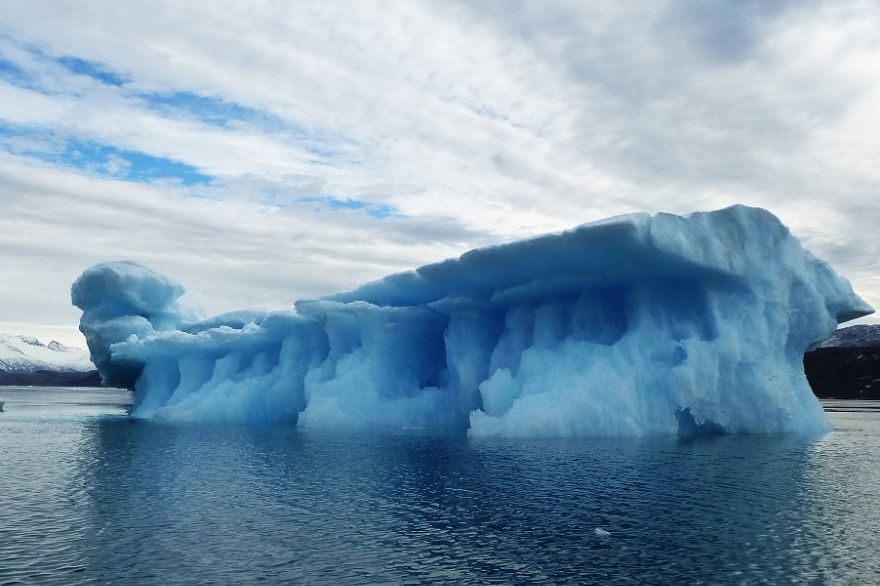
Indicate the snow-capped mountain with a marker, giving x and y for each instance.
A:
(24, 360)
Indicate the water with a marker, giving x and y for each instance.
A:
(88, 495)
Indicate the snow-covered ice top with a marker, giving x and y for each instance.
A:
(606, 329)
(23, 354)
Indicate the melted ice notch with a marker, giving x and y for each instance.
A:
(601, 330)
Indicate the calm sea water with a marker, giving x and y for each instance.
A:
(88, 495)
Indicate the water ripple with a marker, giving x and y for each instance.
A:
(87, 497)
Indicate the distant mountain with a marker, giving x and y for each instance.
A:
(863, 336)
(24, 360)
(846, 365)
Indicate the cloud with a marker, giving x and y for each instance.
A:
(456, 123)
(230, 253)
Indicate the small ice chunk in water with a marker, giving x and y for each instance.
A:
(602, 533)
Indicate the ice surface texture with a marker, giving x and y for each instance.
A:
(605, 329)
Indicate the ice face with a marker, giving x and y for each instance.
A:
(606, 329)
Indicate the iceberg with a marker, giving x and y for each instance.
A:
(616, 327)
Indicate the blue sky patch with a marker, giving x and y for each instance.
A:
(95, 157)
(336, 203)
(91, 69)
(209, 110)
(225, 114)
(131, 165)
(12, 73)
(147, 168)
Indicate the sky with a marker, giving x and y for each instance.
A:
(266, 151)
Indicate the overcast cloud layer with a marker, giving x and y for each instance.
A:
(261, 152)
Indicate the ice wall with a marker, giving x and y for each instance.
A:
(605, 329)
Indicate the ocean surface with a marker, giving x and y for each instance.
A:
(90, 496)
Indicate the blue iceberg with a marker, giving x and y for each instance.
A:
(605, 329)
